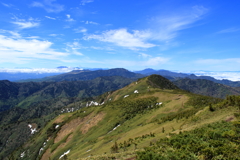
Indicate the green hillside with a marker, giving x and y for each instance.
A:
(206, 87)
(143, 120)
(39, 102)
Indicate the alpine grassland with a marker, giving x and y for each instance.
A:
(149, 119)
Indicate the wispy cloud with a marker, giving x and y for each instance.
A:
(149, 62)
(166, 27)
(83, 2)
(39, 70)
(80, 30)
(23, 50)
(91, 22)
(155, 61)
(229, 30)
(49, 6)
(50, 18)
(73, 48)
(55, 35)
(69, 19)
(11, 33)
(23, 23)
(162, 28)
(123, 38)
(6, 5)
(144, 55)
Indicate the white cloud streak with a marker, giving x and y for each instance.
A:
(162, 29)
(12, 33)
(22, 50)
(166, 27)
(144, 55)
(50, 18)
(38, 70)
(80, 30)
(49, 6)
(23, 23)
(229, 30)
(123, 38)
(91, 22)
(69, 19)
(7, 5)
(150, 62)
(73, 48)
(83, 2)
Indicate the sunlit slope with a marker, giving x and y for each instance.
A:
(129, 119)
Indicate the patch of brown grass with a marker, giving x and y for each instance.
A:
(59, 119)
(46, 155)
(92, 122)
(71, 127)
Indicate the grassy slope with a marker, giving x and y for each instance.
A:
(89, 131)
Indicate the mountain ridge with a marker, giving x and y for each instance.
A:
(126, 124)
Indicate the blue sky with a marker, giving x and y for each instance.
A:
(178, 35)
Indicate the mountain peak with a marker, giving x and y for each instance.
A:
(160, 82)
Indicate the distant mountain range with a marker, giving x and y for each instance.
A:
(175, 76)
(83, 75)
(64, 73)
(40, 101)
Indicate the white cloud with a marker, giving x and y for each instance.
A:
(12, 33)
(49, 6)
(144, 55)
(69, 19)
(229, 30)
(22, 50)
(55, 35)
(150, 62)
(91, 22)
(230, 75)
(50, 18)
(155, 61)
(121, 37)
(39, 70)
(80, 30)
(33, 37)
(73, 48)
(162, 29)
(23, 23)
(83, 2)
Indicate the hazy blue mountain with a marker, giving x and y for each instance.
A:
(147, 71)
(22, 76)
(162, 72)
(175, 76)
(83, 75)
